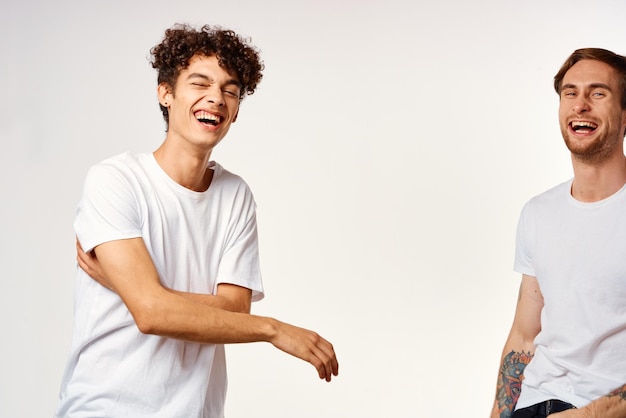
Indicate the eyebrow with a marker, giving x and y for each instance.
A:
(592, 85)
(231, 81)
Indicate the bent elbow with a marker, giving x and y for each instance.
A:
(147, 319)
(146, 326)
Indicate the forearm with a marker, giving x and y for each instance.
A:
(509, 383)
(216, 301)
(612, 405)
(169, 314)
(518, 351)
(519, 348)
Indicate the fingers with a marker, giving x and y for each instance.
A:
(80, 257)
(308, 346)
(333, 363)
(88, 262)
(84, 260)
(325, 360)
(323, 357)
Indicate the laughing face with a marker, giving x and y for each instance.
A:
(203, 104)
(591, 118)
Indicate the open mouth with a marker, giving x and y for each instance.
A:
(207, 118)
(583, 127)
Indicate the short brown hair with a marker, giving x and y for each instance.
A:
(615, 61)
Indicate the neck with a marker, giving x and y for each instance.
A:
(597, 181)
(187, 167)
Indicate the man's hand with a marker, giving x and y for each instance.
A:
(90, 265)
(308, 346)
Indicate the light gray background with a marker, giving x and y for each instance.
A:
(390, 148)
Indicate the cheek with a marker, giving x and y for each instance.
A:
(562, 118)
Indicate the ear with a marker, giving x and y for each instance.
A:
(165, 94)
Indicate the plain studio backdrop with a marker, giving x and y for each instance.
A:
(390, 148)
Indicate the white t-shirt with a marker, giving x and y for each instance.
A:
(196, 240)
(577, 252)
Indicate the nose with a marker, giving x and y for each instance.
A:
(215, 96)
(580, 105)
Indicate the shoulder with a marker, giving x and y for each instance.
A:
(119, 167)
(222, 178)
(231, 191)
(116, 177)
(121, 163)
(557, 195)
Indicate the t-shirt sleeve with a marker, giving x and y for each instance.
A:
(108, 209)
(239, 263)
(524, 243)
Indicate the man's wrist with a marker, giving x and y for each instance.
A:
(268, 328)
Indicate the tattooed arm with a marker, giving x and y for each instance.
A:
(519, 347)
(612, 405)
(510, 379)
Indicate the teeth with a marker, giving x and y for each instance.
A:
(584, 124)
(207, 117)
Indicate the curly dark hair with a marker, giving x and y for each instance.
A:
(182, 42)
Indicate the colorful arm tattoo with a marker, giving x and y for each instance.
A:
(510, 381)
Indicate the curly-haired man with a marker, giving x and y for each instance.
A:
(168, 253)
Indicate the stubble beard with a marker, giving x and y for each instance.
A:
(593, 153)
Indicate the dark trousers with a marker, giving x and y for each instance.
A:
(543, 409)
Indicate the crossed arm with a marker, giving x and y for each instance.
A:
(125, 267)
